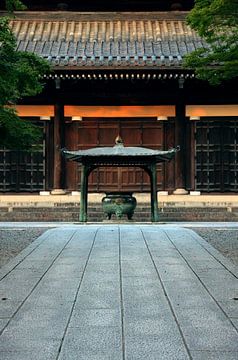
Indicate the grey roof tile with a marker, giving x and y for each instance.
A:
(121, 152)
(107, 40)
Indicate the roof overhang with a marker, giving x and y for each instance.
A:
(107, 41)
(119, 155)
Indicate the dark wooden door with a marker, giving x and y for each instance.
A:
(22, 171)
(134, 132)
(216, 161)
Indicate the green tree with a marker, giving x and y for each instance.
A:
(19, 77)
(216, 21)
(12, 5)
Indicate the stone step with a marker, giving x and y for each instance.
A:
(68, 213)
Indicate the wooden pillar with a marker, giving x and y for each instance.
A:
(192, 173)
(180, 139)
(59, 143)
(154, 199)
(49, 155)
(84, 193)
(169, 142)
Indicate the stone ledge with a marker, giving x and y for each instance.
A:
(142, 198)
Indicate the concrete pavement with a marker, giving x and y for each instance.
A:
(119, 292)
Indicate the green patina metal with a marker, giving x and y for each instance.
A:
(119, 203)
(119, 155)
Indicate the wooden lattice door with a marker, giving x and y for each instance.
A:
(216, 161)
(23, 171)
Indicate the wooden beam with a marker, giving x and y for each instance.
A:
(119, 111)
(35, 110)
(211, 110)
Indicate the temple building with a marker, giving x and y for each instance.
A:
(117, 70)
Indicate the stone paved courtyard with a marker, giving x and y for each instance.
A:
(113, 292)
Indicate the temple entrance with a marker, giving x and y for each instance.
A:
(101, 132)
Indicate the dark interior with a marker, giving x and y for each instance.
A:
(99, 5)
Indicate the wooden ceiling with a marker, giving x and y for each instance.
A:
(99, 5)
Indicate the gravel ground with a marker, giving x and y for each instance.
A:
(224, 240)
(13, 240)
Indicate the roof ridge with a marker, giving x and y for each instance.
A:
(70, 15)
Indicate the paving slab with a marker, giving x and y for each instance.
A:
(119, 292)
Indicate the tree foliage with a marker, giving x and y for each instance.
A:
(19, 76)
(216, 21)
(12, 5)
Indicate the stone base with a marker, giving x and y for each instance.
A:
(180, 191)
(58, 192)
(75, 193)
(44, 193)
(195, 193)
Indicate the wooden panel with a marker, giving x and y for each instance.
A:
(87, 135)
(130, 177)
(107, 177)
(152, 136)
(107, 133)
(169, 134)
(130, 132)
(72, 174)
(134, 132)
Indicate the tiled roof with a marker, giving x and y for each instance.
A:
(107, 40)
(120, 151)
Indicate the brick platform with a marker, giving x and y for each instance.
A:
(66, 208)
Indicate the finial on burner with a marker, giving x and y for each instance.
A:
(118, 140)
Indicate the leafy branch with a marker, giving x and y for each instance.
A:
(19, 77)
(216, 21)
